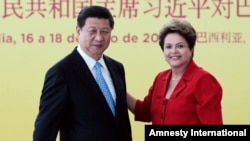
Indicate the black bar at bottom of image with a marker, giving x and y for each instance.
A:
(187, 132)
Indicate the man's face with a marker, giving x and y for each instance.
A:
(94, 37)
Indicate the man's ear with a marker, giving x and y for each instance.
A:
(78, 29)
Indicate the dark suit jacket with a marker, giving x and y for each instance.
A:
(72, 103)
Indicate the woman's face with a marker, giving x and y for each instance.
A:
(176, 51)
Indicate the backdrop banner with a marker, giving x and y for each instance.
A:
(35, 34)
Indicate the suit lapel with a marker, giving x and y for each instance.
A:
(186, 78)
(82, 70)
(113, 72)
(86, 78)
(117, 75)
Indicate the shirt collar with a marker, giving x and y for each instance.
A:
(90, 61)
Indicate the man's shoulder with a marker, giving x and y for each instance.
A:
(109, 59)
(66, 61)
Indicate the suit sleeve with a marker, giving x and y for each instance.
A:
(143, 107)
(209, 95)
(52, 102)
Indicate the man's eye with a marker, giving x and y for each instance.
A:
(92, 31)
(105, 31)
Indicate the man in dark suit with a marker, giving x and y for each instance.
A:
(71, 102)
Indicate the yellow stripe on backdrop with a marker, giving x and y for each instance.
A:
(34, 38)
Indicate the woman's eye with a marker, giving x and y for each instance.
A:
(179, 46)
(168, 46)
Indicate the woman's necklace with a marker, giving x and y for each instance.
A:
(175, 79)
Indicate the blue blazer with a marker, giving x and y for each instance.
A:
(72, 103)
